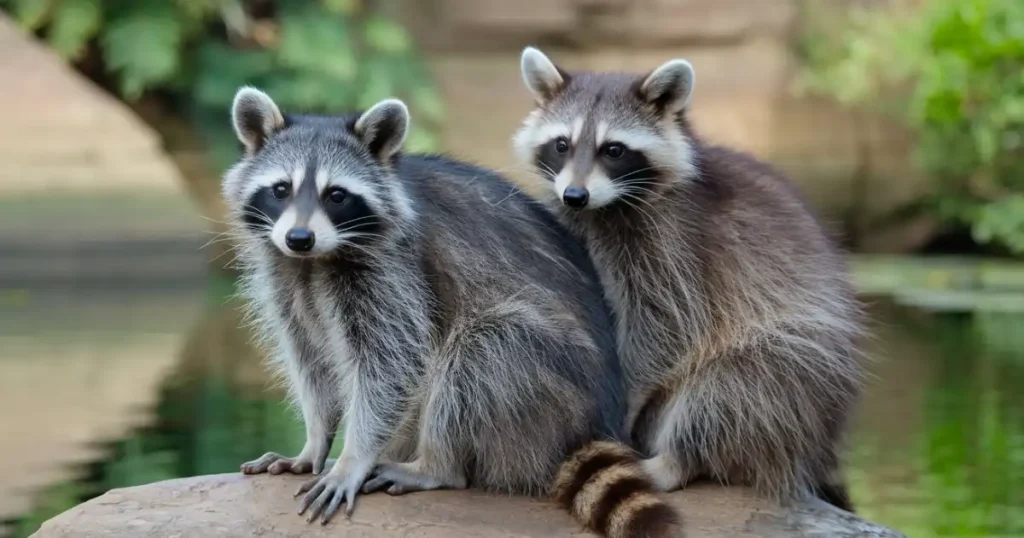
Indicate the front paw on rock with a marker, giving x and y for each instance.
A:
(274, 463)
(325, 494)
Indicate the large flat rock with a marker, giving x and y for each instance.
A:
(230, 505)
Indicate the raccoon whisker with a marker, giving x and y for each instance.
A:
(626, 200)
(512, 192)
(259, 213)
(363, 249)
(361, 234)
(225, 253)
(229, 235)
(547, 170)
(349, 223)
(634, 172)
(635, 187)
(352, 230)
(627, 194)
(219, 240)
(215, 221)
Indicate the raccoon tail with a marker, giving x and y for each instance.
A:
(604, 487)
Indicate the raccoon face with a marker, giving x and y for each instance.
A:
(314, 186)
(602, 138)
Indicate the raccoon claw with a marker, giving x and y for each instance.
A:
(402, 478)
(324, 495)
(274, 463)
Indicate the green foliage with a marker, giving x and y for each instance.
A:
(953, 71)
(310, 55)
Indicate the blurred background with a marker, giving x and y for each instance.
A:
(121, 357)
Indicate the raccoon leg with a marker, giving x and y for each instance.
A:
(440, 438)
(764, 414)
(377, 404)
(320, 413)
(402, 478)
(665, 471)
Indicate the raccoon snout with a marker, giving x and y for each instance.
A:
(575, 197)
(300, 239)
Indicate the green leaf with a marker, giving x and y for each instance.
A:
(202, 9)
(387, 36)
(32, 14)
(74, 24)
(346, 7)
(310, 92)
(143, 47)
(222, 70)
(317, 41)
(421, 141)
(378, 86)
(428, 103)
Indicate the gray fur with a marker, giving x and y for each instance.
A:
(454, 326)
(736, 322)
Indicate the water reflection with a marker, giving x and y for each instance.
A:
(938, 447)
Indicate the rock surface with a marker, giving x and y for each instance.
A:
(62, 131)
(230, 505)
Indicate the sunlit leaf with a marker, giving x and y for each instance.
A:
(74, 24)
(32, 14)
(143, 48)
(222, 70)
(420, 140)
(378, 86)
(342, 6)
(428, 103)
(953, 71)
(386, 36)
(312, 39)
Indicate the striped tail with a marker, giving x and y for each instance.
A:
(604, 487)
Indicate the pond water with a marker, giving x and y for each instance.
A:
(108, 388)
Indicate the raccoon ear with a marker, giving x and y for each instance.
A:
(255, 117)
(541, 76)
(670, 86)
(383, 128)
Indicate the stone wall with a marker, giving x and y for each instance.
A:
(741, 50)
(60, 131)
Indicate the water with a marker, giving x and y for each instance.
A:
(111, 388)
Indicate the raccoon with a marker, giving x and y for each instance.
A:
(454, 327)
(737, 325)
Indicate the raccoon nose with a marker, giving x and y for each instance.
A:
(300, 239)
(575, 197)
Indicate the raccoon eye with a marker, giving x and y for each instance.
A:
(282, 190)
(561, 145)
(614, 151)
(336, 195)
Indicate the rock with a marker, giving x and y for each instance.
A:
(231, 505)
(63, 132)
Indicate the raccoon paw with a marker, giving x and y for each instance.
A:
(325, 493)
(402, 478)
(275, 463)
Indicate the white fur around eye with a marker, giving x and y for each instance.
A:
(535, 133)
(669, 151)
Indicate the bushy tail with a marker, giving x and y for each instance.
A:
(604, 487)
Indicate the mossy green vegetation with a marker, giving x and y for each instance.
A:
(950, 70)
